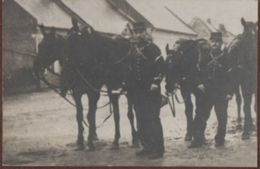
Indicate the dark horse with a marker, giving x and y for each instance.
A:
(243, 51)
(89, 61)
(182, 71)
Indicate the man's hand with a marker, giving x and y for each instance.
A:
(228, 97)
(176, 86)
(168, 93)
(201, 87)
(154, 87)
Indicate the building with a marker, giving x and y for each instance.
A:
(22, 17)
(204, 29)
(167, 27)
(21, 38)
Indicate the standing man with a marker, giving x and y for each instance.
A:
(143, 83)
(215, 89)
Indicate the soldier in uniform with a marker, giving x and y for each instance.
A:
(215, 90)
(144, 78)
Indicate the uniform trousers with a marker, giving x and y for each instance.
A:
(212, 97)
(147, 108)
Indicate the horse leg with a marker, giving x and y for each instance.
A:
(93, 99)
(238, 101)
(130, 115)
(114, 101)
(79, 107)
(95, 136)
(188, 112)
(38, 82)
(247, 95)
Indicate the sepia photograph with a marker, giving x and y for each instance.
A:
(151, 83)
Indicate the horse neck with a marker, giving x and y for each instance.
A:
(249, 44)
(109, 49)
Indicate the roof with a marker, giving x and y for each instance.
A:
(99, 14)
(46, 12)
(156, 13)
(200, 27)
(212, 25)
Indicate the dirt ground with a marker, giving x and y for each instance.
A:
(40, 129)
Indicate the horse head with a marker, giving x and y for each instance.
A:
(50, 49)
(249, 29)
(242, 50)
(183, 59)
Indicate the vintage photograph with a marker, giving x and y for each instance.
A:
(130, 83)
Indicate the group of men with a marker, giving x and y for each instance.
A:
(146, 73)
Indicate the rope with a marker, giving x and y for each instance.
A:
(177, 99)
(172, 105)
(66, 99)
(89, 84)
(111, 112)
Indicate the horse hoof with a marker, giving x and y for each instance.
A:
(245, 136)
(95, 137)
(135, 145)
(239, 120)
(115, 146)
(252, 127)
(91, 147)
(188, 137)
(80, 148)
(239, 127)
(135, 142)
(80, 145)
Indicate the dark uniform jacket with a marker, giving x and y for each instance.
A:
(214, 74)
(146, 67)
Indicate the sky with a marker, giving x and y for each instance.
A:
(228, 12)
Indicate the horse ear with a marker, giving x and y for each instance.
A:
(74, 22)
(90, 30)
(167, 48)
(42, 28)
(53, 31)
(243, 22)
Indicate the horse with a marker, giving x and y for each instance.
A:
(182, 72)
(243, 51)
(91, 60)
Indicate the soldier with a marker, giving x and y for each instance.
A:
(215, 90)
(144, 78)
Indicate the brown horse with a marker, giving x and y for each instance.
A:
(243, 53)
(89, 61)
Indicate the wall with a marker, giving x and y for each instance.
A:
(18, 46)
(161, 38)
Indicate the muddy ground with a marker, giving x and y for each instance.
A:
(40, 129)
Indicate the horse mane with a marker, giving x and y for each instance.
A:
(235, 43)
(104, 46)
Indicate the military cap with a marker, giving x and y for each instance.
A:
(216, 36)
(139, 26)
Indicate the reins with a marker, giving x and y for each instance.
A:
(68, 101)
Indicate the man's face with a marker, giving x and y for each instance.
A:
(140, 34)
(215, 44)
